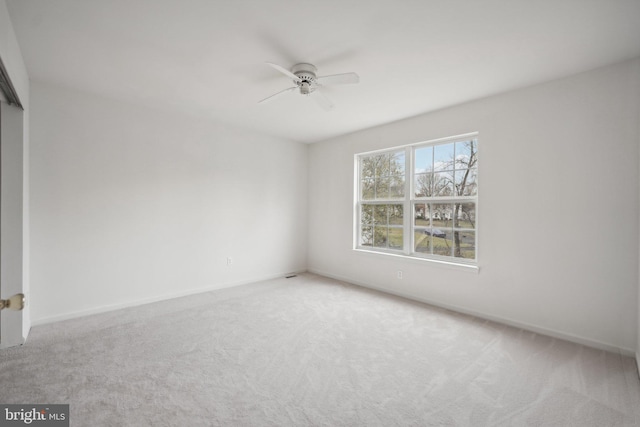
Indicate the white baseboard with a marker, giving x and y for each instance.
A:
(134, 303)
(510, 322)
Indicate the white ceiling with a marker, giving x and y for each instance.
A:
(207, 57)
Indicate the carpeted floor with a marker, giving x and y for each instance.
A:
(310, 351)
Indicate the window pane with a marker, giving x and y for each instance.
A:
(382, 188)
(443, 184)
(442, 228)
(465, 216)
(423, 159)
(466, 154)
(396, 188)
(380, 214)
(422, 242)
(423, 185)
(380, 237)
(442, 241)
(422, 215)
(397, 163)
(382, 176)
(395, 238)
(466, 182)
(366, 214)
(443, 157)
(367, 167)
(366, 236)
(382, 165)
(464, 244)
(367, 187)
(396, 216)
(441, 215)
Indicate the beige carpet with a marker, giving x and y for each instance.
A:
(311, 351)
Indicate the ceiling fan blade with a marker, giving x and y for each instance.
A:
(322, 100)
(338, 79)
(284, 71)
(269, 98)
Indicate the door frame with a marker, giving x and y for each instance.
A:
(14, 208)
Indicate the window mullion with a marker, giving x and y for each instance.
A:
(407, 223)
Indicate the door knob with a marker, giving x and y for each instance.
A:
(15, 302)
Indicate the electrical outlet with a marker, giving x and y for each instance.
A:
(229, 261)
(399, 274)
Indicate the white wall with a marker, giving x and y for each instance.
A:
(638, 308)
(558, 209)
(15, 205)
(130, 204)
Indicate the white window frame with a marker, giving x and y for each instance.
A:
(409, 201)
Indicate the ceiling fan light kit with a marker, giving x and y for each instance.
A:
(309, 84)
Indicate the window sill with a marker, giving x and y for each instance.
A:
(471, 268)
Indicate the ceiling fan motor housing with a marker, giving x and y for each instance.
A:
(307, 77)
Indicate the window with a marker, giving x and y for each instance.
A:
(420, 200)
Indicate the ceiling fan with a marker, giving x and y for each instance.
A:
(307, 83)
